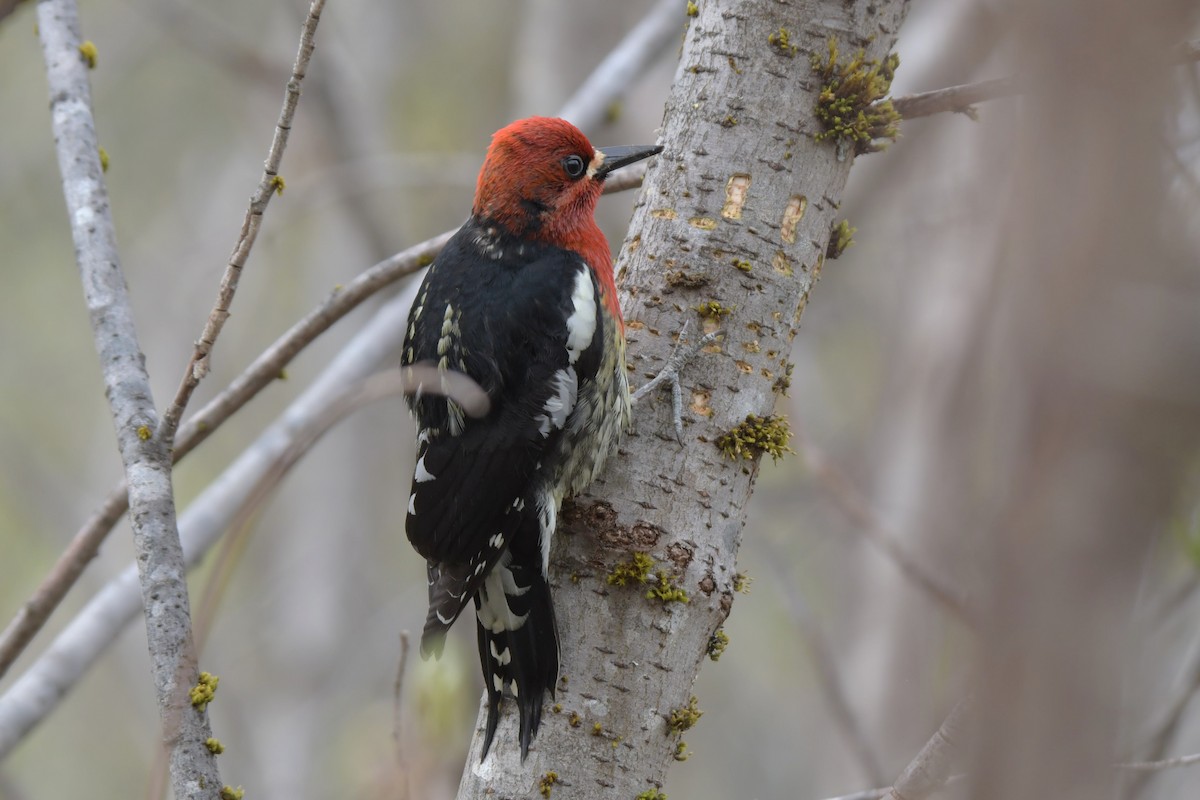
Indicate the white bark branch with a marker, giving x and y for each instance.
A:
(147, 462)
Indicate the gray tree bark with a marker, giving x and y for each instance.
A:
(737, 210)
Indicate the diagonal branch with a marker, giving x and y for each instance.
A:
(268, 185)
(147, 461)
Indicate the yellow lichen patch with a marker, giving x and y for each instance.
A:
(635, 570)
(666, 590)
(736, 189)
(547, 783)
(852, 105)
(229, 793)
(692, 9)
(782, 264)
(703, 223)
(793, 212)
(713, 310)
(89, 53)
(700, 404)
(278, 184)
(744, 367)
(752, 346)
(717, 644)
(681, 753)
(682, 719)
(652, 794)
(103, 158)
(204, 691)
(144, 433)
(841, 237)
(663, 213)
(755, 436)
(214, 745)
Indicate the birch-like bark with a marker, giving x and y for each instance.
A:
(147, 461)
(741, 182)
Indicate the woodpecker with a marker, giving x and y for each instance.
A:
(523, 302)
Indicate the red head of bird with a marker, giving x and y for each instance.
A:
(541, 181)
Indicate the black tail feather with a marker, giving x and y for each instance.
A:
(518, 651)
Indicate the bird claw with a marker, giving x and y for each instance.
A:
(671, 371)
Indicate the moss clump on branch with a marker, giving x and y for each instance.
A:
(756, 436)
(717, 644)
(635, 570)
(841, 237)
(741, 582)
(852, 105)
(711, 309)
(203, 692)
(667, 590)
(89, 53)
(682, 719)
(781, 40)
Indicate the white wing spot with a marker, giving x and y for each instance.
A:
(502, 658)
(412, 504)
(559, 405)
(496, 541)
(512, 685)
(581, 325)
(422, 475)
(498, 682)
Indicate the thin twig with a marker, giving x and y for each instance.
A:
(268, 185)
(930, 770)
(147, 461)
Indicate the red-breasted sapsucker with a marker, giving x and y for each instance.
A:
(522, 301)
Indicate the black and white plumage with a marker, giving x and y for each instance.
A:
(528, 322)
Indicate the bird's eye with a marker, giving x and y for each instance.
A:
(573, 165)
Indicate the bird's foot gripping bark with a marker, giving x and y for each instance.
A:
(680, 357)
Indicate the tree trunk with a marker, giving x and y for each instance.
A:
(737, 211)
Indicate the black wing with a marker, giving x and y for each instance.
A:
(507, 322)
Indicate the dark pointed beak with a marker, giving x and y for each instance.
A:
(623, 156)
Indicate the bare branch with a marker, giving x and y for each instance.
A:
(930, 770)
(147, 461)
(268, 185)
